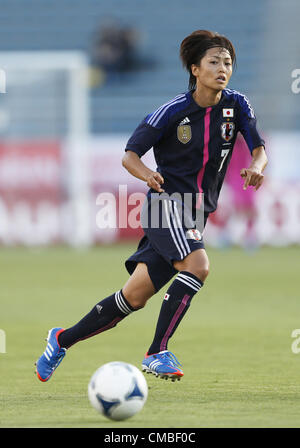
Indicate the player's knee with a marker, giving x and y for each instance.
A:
(137, 301)
(138, 304)
(200, 271)
(203, 273)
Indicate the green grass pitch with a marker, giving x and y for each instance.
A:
(234, 343)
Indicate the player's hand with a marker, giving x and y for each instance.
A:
(154, 180)
(252, 177)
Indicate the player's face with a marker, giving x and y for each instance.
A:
(214, 70)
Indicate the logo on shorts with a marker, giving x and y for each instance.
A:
(184, 133)
(193, 234)
(166, 296)
(227, 131)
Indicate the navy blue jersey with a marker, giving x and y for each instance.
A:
(193, 145)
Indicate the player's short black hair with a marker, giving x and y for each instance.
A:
(194, 47)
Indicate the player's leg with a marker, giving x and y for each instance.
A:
(174, 241)
(193, 271)
(139, 287)
(104, 315)
(111, 310)
(197, 263)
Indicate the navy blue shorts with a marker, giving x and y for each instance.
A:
(162, 245)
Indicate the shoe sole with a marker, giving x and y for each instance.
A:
(165, 376)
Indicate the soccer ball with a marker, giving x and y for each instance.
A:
(118, 390)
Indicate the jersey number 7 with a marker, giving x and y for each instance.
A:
(224, 154)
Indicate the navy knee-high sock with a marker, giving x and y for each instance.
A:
(175, 304)
(105, 315)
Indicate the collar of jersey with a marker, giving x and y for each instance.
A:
(190, 95)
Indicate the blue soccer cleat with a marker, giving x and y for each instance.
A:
(52, 356)
(163, 364)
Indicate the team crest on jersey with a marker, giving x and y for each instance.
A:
(227, 131)
(184, 133)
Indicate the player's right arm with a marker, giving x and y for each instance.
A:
(146, 136)
(132, 162)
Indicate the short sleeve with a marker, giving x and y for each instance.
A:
(154, 125)
(247, 124)
(144, 138)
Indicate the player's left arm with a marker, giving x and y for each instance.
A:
(254, 174)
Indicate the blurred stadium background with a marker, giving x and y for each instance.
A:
(79, 79)
(80, 75)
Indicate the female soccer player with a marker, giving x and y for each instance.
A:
(193, 136)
